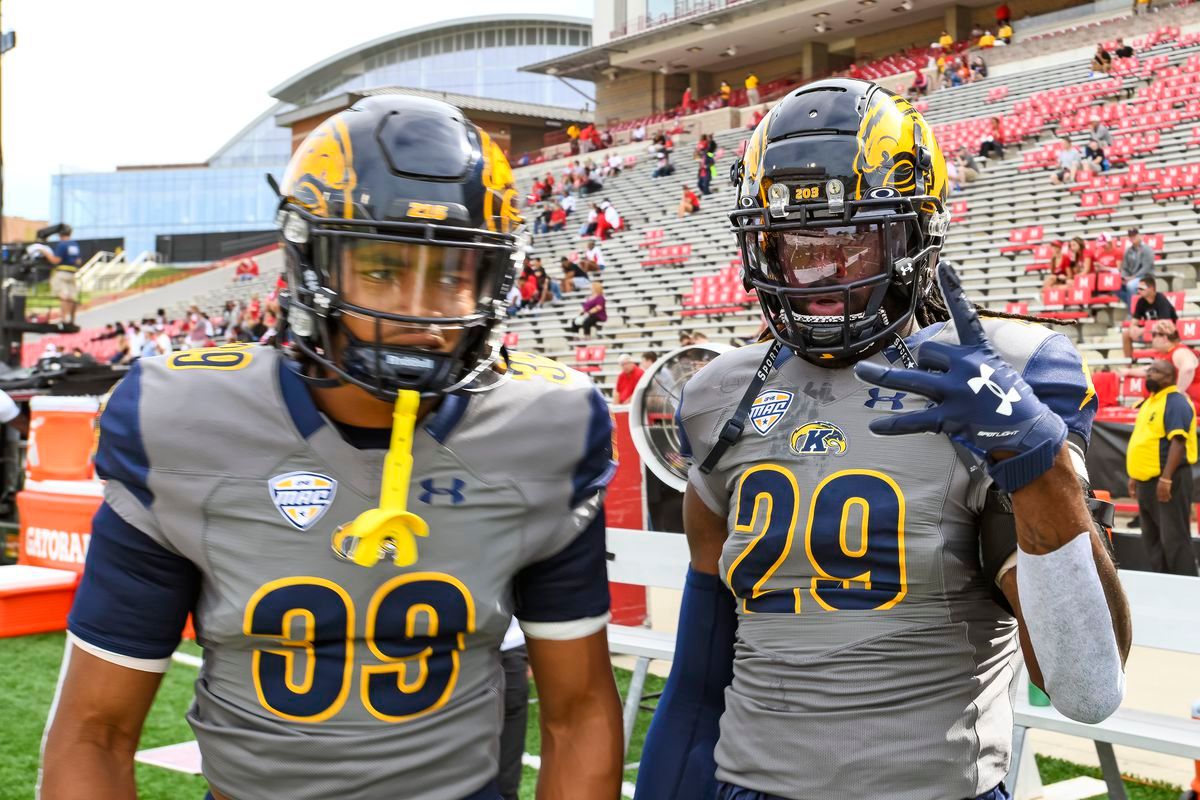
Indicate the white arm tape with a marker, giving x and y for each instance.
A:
(1071, 630)
(140, 664)
(564, 631)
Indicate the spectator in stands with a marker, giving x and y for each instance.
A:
(589, 227)
(513, 299)
(756, 118)
(1069, 163)
(706, 154)
(591, 181)
(200, 329)
(979, 69)
(945, 41)
(545, 286)
(1005, 34)
(627, 381)
(685, 103)
(953, 176)
(593, 312)
(1094, 160)
(613, 165)
(573, 137)
(1104, 253)
(968, 167)
(567, 202)
(1003, 14)
(1151, 305)
(1141, 6)
(608, 221)
(752, 89)
(639, 133)
(726, 92)
(1101, 133)
(699, 338)
(1062, 266)
(690, 204)
(135, 340)
(1162, 450)
(1122, 50)
(987, 40)
(1166, 344)
(586, 138)
(662, 154)
(919, 86)
(992, 144)
(541, 220)
(67, 258)
(1101, 61)
(558, 218)
(685, 339)
(574, 278)
(976, 32)
(648, 359)
(592, 259)
(1136, 264)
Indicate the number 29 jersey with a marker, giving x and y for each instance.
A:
(322, 678)
(870, 658)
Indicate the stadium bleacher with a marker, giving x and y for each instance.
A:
(1148, 105)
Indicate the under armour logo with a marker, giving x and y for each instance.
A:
(1007, 398)
(893, 400)
(454, 491)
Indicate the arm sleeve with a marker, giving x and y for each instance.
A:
(677, 758)
(1177, 417)
(1060, 378)
(135, 595)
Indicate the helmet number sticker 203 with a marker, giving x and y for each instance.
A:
(812, 192)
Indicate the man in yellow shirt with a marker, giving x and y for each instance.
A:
(987, 40)
(1006, 33)
(752, 89)
(726, 92)
(1161, 452)
(946, 41)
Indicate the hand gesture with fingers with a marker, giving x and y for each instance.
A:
(979, 400)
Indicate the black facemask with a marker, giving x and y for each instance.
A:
(1153, 386)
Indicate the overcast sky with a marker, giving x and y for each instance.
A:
(95, 84)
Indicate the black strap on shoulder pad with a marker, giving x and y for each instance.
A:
(731, 431)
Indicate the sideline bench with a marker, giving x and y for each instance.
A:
(643, 558)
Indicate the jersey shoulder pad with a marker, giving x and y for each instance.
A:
(195, 409)
(710, 397)
(545, 420)
(1052, 366)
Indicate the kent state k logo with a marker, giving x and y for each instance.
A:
(819, 438)
(454, 491)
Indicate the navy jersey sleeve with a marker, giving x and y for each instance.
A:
(1177, 416)
(570, 585)
(597, 466)
(135, 595)
(1060, 378)
(121, 458)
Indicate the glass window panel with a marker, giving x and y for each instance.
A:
(510, 37)
(574, 37)
(489, 38)
(552, 36)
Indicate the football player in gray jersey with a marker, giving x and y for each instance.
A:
(858, 598)
(353, 520)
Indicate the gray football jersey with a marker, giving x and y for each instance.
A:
(325, 679)
(870, 659)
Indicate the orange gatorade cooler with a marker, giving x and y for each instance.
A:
(56, 522)
(34, 599)
(62, 438)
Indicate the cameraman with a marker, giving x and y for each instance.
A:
(66, 259)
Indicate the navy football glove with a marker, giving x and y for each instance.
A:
(980, 401)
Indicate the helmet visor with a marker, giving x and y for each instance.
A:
(848, 260)
(411, 280)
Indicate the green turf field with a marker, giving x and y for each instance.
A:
(29, 670)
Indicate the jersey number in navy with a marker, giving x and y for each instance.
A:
(854, 539)
(415, 628)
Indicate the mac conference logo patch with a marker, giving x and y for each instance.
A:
(768, 408)
(302, 497)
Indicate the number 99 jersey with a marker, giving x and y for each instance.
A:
(871, 660)
(322, 678)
